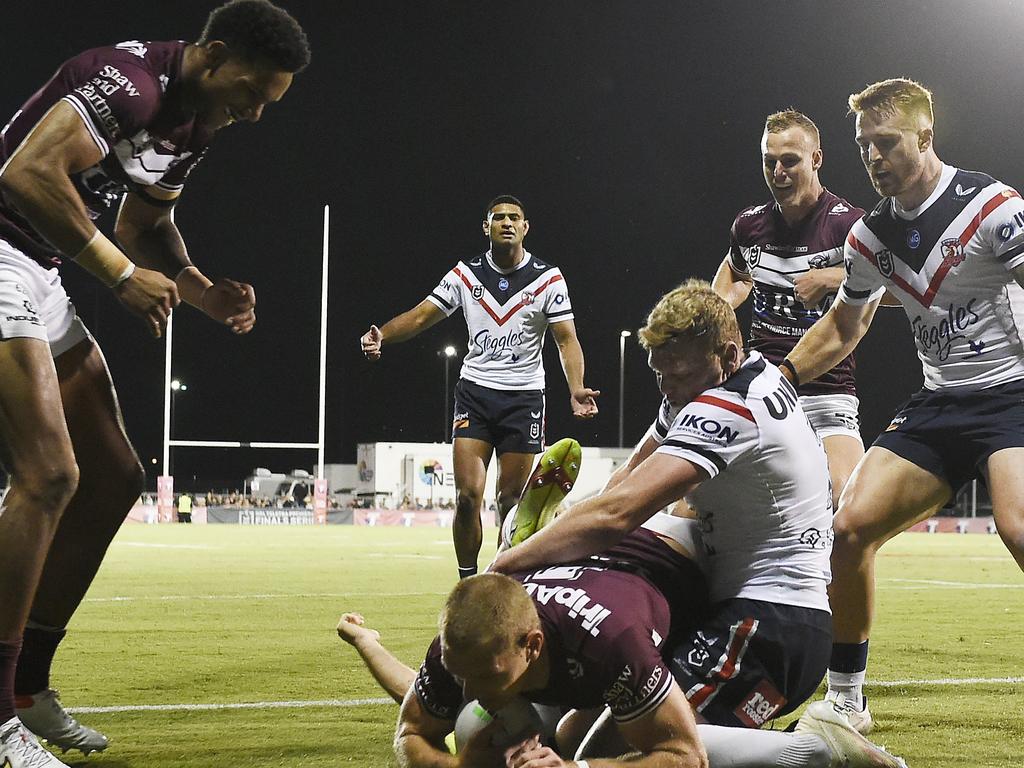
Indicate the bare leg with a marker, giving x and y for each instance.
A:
(513, 472)
(843, 451)
(471, 459)
(1006, 484)
(39, 455)
(111, 480)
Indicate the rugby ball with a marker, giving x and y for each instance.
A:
(518, 720)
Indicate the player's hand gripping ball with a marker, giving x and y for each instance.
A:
(517, 720)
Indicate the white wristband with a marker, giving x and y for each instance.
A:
(128, 272)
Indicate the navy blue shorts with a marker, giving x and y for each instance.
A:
(510, 420)
(752, 661)
(951, 434)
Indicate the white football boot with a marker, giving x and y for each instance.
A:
(20, 749)
(859, 716)
(849, 749)
(47, 719)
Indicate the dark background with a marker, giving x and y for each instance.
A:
(629, 129)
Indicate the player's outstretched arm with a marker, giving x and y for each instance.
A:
(829, 340)
(401, 328)
(730, 284)
(390, 673)
(601, 521)
(582, 399)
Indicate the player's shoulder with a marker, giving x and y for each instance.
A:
(839, 213)
(751, 219)
(542, 267)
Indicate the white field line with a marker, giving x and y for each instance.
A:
(268, 596)
(952, 584)
(373, 701)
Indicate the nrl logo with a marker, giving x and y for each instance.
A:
(754, 257)
(478, 292)
(885, 262)
(952, 253)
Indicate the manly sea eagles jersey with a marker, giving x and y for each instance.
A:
(126, 96)
(507, 313)
(605, 624)
(773, 254)
(949, 262)
(765, 512)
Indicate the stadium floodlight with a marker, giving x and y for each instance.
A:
(450, 351)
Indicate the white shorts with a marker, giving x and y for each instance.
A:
(34, 304)
(832, 414)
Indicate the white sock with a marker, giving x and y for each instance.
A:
(849, 683)
(749, 748)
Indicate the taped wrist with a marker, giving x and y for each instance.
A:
(105, 261)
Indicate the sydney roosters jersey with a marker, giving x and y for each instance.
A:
(765, 511)
(773, 254)
(126, 97)
(949, 262)
(507, 313)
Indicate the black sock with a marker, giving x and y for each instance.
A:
(37, 650)
(8, 661)
(469, 570)
(849, 657)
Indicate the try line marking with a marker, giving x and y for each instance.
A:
(385, 700)
(267, 596)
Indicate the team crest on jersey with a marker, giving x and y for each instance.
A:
(885, 262)
(478, 292)
(754, 256)
(818, 261)
(527, 298)
(952, 253)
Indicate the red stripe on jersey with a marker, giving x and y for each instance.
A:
(494, 315)
(862, 249)
(719, 402)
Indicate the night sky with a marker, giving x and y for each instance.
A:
(629, 129)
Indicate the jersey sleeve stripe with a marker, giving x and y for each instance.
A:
(89, 125)
(703, 452)
(437, 298)
(1012, 253)
(563, 313)
(650, 704)
(856, 295)
(739, 410)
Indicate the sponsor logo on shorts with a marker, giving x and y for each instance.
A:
(31, 314)
(885, 262)
(760, 705)
(896, 423)
(701, 651)
(460, 421)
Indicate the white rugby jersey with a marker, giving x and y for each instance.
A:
(507, 313)
(765, 513)
(948, 262)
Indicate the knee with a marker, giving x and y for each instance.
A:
(1011, 531)
(48, 489)
(467, 502)
(849, 535)
(126, 478)
(507, 500)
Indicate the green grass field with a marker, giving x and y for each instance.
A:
(221, 615)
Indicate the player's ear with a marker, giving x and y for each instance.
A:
(487, 227)
(534, 644)
(924, 139)
(816, 158)
(216, 54)
(526, 226)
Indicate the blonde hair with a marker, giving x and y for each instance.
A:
(695, 313)
(899, 94)
(489, 611)
(777, 122)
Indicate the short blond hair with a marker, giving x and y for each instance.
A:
(490, 611)
(898, 94)
(777, 122)
(694, 313)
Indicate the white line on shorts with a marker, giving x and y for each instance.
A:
(268, 596)
(340, 703)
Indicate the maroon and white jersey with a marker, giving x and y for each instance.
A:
(948, 261)
(765, 511)
(126, 97)
(604, 625)
(507, 313)
(773, 254)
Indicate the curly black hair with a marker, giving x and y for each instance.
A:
(259, 30)
(510, 199)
